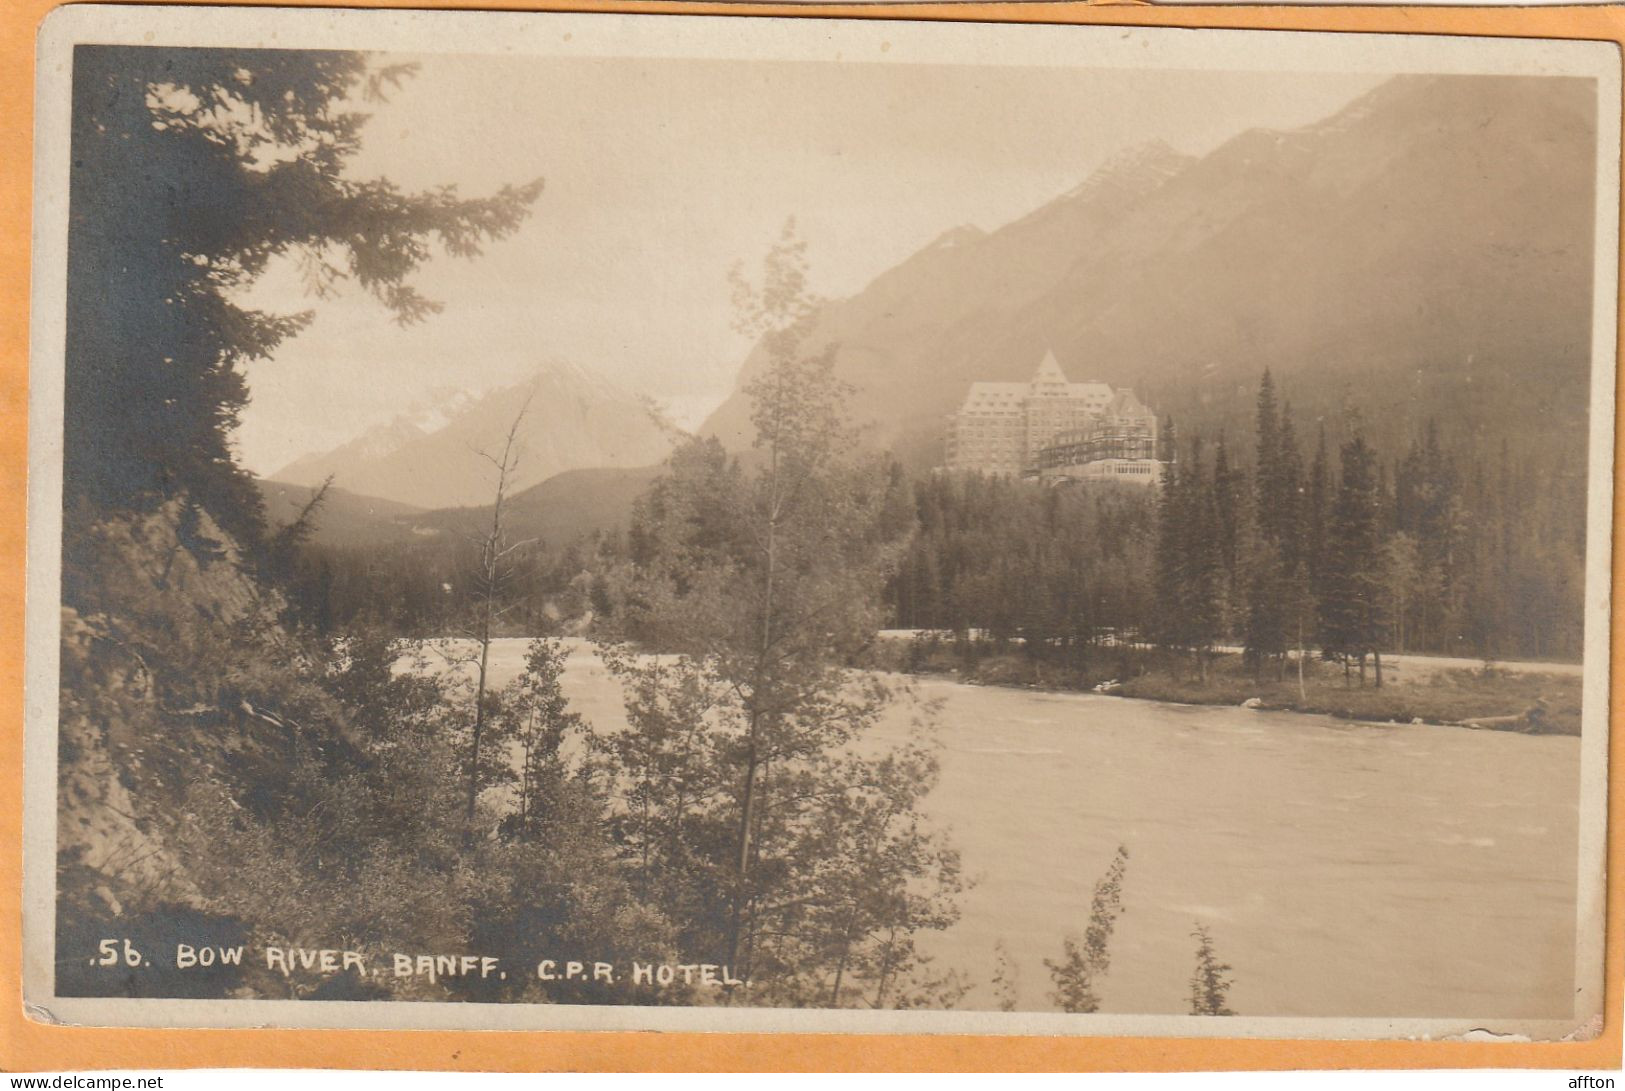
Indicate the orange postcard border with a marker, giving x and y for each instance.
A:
(26, 1045)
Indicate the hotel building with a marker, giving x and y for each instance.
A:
(1054, 429)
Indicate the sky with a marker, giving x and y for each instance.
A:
(662, 174)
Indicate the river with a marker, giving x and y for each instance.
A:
(1343, 869)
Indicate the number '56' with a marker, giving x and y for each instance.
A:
(110, 953)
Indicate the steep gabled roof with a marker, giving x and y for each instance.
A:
(1046, 380)
(1125, 404)
(1049, 370)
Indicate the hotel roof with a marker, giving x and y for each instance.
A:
(1044, 382)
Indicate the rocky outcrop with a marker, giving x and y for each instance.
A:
(169, 652)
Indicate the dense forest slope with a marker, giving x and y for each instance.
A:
(345, 518)
(560, 510)
(556, 512)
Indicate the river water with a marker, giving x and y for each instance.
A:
(1343, 869)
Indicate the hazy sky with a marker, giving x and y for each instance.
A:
(662, 174)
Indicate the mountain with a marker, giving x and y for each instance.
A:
(1426, 251)
(381, 440)
(557, 511)
(431, 457)
(345, 518)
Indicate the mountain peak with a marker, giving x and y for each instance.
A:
(1138, 168)
(1388, 241)
(963, 235)
(428, 456)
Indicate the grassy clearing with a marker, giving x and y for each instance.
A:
(1488, 697)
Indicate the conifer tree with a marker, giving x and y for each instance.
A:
(1267, 486)
(1402, 581)
(193, 170)
(1265, 630)
(1228, 508)
(1277, 588)
(1206, 597)
(1351, 611)
(1428, 507)
(1173, 527)
(1292, 519)
(1317, 504)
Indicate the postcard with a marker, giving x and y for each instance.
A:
(620, 521)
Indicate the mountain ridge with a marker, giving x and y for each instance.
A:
(1426, 249)
(436, 455)
(561, 509)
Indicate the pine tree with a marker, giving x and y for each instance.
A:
(1265, 632)
(1228, 508)
(1293, 502)
(1206, 582)
(1268, 486)
(1173, 526)
(1352, 619)
(1317, 504)
(1193, 598)
(1401, 583)
(1428, 507)
(194, 169)
(1271, 592)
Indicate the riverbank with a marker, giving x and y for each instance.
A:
(1256, 826)
(1488, 697)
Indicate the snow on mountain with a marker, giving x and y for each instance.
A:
(431, 455)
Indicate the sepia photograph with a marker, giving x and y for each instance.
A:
(730, 523)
